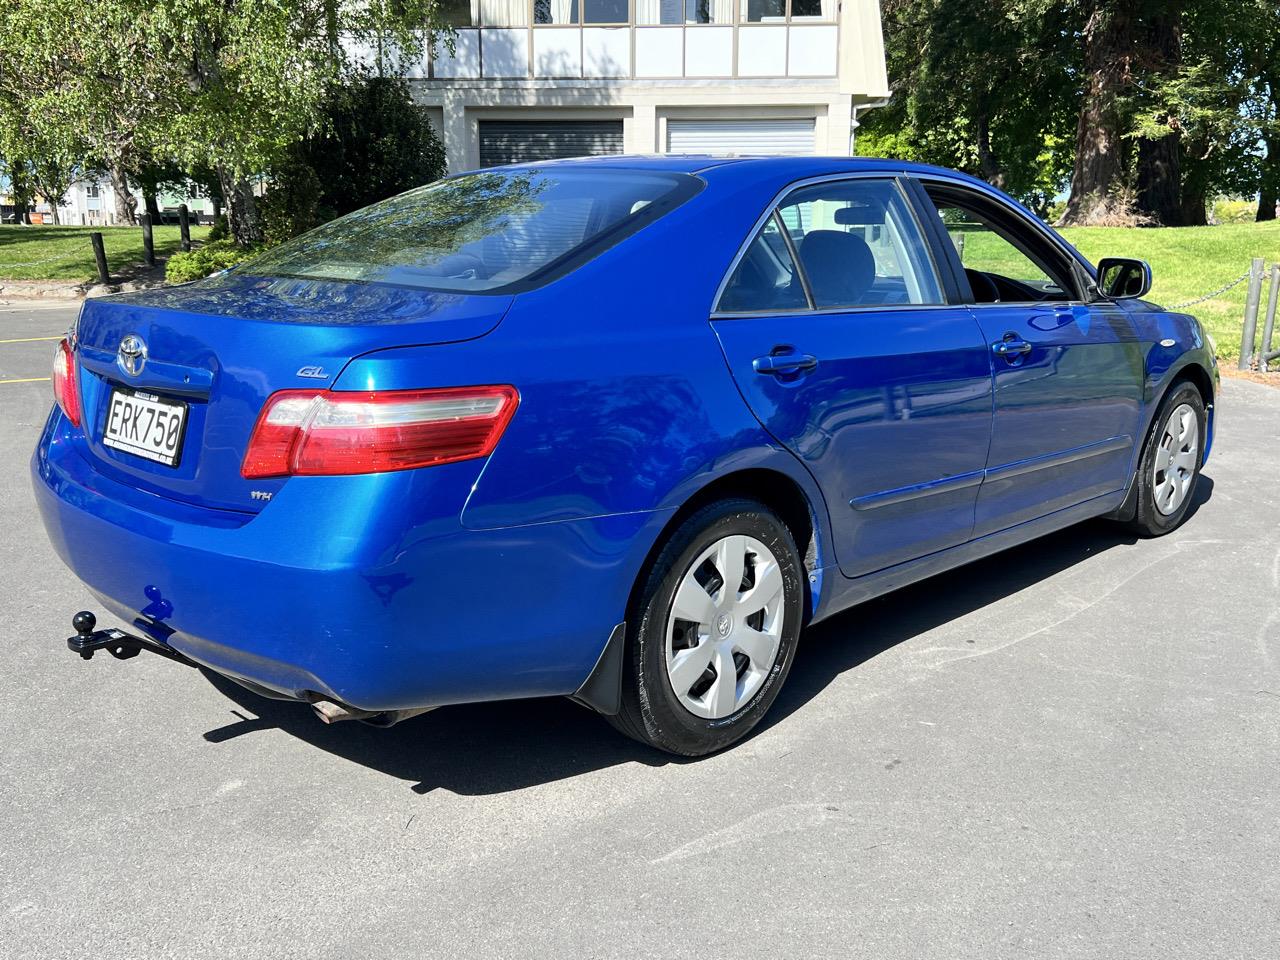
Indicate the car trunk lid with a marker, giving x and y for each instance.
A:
(222, 346)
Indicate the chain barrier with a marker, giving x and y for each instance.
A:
(1216, 293)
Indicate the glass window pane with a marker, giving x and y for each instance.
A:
(765, 279)
(997, 269)
(765, 11)
(604, 11)
(678, 12)
(460, 13)
(813, 9)
(471, 233)
(859, 245)
(555, 11)
(504, 13)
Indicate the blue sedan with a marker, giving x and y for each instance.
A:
(614, 429)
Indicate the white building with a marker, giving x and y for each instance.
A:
(538, 79)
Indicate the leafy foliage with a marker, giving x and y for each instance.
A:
(205, 260)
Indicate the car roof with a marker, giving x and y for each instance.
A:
(697, 162)
(752, 166)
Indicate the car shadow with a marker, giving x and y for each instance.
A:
(490, 748)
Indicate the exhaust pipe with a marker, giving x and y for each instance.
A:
(330, 711)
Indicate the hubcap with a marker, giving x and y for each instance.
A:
(725, 627)
(1176, 457)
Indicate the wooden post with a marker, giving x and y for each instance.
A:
(148, 241)
(100, 255)
(184, 227)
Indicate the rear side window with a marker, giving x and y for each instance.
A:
(857, 244)
(481, 231)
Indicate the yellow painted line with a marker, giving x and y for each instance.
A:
(29, 380)
(29, 339)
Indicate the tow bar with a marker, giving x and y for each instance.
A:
(121, 645)
(125, 646)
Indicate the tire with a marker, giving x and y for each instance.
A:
(719, 632)
(1170, 464)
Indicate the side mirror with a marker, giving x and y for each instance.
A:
(1121, 278)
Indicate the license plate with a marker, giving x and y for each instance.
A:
(146, 426)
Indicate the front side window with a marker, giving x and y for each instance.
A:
(996, 263)
(478, 232)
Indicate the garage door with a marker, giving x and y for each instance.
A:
(741, 136)
(521, 141)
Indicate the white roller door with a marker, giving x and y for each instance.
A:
(741, 136)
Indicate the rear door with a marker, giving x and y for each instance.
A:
(1068, 373)
(835, 324)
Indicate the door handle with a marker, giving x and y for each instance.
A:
(1011, 347)
(783, 363)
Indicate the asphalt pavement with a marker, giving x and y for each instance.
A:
(1068, 750)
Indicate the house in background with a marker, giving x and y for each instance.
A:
(542, 79)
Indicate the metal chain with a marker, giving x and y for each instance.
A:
(1217, 293)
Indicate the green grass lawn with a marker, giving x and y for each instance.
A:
(1186, 262)
(65, 253)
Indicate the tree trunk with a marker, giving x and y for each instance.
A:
(1195, 203)
(1099, 164)
(1159, 166)
(988, 164)
(1269, 177)
(1159, 180)
(124, 200)
(153, 207)
(242, 209)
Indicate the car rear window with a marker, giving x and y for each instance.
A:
(481, 231)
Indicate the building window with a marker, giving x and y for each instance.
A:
(459, 13)
(606, 11)
(684, 11)
(93, 190)
(504, 13)
(555, 11)
(780, 11)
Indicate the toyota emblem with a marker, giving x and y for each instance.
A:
(132, 355)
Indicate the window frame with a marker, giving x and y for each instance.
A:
(911, 200)
(1007, 216)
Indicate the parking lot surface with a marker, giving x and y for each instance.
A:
(1068, 750)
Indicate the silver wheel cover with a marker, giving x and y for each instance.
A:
(1176, 459)
(725, 627)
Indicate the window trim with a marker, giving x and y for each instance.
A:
(898, 180)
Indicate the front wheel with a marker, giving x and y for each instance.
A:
(1170, 463)
(716, 627)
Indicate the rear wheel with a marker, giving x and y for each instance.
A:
(1170, 464)
(715, 630)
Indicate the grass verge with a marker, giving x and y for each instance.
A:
(65, 253)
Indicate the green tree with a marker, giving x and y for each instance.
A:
(224, 84)
(984, 86)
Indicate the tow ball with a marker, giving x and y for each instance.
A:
(121, 645)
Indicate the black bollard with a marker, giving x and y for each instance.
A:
(148, 242)
(100, 255)
(184, 227)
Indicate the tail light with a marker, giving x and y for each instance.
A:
(65, 389)
(317, 432)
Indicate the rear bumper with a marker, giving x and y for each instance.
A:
(351, 588)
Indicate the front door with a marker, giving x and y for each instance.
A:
(835, 327)
(1068, 373)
